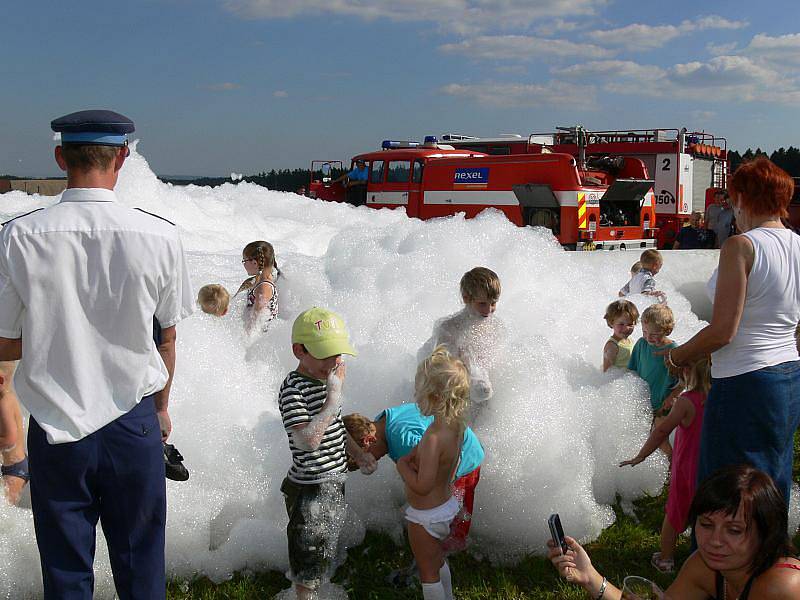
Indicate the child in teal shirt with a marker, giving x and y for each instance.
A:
(657, 323)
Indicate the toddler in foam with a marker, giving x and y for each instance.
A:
(441, 387)
(643, 281)
(472, 334)
(310, 403)
(621, 316)
(214, 299)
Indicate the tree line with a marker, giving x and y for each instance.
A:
(787, 159)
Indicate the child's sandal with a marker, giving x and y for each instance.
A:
(662, 565)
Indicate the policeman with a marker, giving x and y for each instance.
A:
(81, 283)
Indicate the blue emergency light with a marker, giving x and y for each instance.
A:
(389, 144)
(431, 140)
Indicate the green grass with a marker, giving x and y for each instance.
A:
(622, 549)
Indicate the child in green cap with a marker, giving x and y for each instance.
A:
(310, 403)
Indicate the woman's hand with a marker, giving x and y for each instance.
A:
(575, 565)
(633, 462)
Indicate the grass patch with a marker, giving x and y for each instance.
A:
(622, 549)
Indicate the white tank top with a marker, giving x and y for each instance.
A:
(771, 307)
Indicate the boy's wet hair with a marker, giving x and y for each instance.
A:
(480, 282)
(86, 157)
(358, 426)
(659, 316)
(651, 257)
(264, 255)
(697, 376)
(441, 387)
(636, 267)
(620, 308)
(213, 299)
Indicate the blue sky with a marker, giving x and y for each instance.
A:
(216, 86)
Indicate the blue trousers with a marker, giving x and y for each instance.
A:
(751, 418)
(115, 475)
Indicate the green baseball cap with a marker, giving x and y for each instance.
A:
(322, 332)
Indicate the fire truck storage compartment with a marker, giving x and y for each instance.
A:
(702, 179)
(539, 206)
(622, 203)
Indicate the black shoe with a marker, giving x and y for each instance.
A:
(173, 464)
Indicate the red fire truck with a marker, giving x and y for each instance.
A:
(600, 204)
(687, 167)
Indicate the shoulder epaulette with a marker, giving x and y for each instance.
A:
(22, 215)
(154, 215)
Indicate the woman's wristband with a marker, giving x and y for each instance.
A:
(602, 591)
(669, 359)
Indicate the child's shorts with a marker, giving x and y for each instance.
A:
(316, 518)
(464, 492)
(436, 521)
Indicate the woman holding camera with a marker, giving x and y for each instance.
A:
(743, 548)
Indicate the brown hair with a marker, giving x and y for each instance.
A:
(659, 315)
(651, 257)
(762, 187)
(263, 253)
(87, 157)
(358, 426)
(762, 506)
(213, 299)
(636, 267)
(480, 282)
(619, 308)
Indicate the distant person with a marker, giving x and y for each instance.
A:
(441, 388)
(753, 408)
(301, 191)
(82, 284)
(355, 181)
(396, 431)
(686, 418)
(213, 299)
(719, 218)
(261, 309)
(621, 316)
(14, 470)
(643, 281)
(743, 549)
(694, 236)
(472, 334)
(648, 362)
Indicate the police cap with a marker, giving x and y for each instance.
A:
(96, 127)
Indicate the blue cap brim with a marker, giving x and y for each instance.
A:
(97, 138)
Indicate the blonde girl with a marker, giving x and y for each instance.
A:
(687, 417)
(442, 391)
(258, 259)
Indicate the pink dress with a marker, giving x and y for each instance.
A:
(683, 475)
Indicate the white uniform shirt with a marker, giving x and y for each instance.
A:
(765, 336)
(80, 282)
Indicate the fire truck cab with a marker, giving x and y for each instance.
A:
(606, 206)
(687, 167)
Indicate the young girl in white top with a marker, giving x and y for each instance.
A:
(442, 387)
(258, 259)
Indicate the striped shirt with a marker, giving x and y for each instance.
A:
(301, 398)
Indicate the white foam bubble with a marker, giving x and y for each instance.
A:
(554, 430)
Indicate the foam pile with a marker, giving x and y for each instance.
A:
(554, 431)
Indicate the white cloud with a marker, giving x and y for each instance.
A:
(507, 95)
(722, 78)
(221, 87)
(638, 36)
(521, 48)
(280, 94)
(779, 49)
(721, 49)
(458, 16)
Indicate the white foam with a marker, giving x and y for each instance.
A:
(554, 431)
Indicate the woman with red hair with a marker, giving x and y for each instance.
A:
(753, 408)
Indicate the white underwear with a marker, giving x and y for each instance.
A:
(436, 521)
